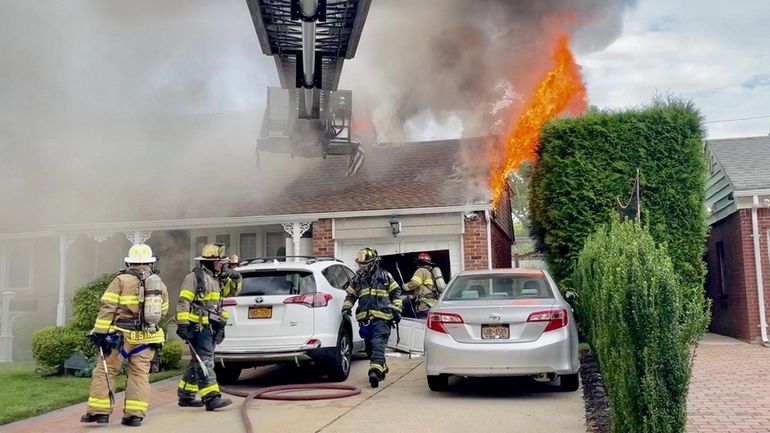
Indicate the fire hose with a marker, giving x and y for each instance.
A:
(283, 392)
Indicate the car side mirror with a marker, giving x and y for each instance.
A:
(570, 296)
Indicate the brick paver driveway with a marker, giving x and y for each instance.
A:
(730, 387)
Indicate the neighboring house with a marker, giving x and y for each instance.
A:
(738, 203)
(437, 191)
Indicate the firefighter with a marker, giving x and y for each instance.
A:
(379, 307)
(127, 326)
(201, 323)
(422, 290)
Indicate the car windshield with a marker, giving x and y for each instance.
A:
(499, 286)
(273, 282)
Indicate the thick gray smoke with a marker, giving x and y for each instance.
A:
(452, 64)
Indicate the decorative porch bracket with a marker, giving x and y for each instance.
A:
(296, 230)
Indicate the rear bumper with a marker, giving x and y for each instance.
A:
(553, 352)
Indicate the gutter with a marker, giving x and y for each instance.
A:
(489, 238)
(758, 271)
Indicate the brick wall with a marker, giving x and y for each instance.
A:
(736, 313)
(475, 243)
(323, 244)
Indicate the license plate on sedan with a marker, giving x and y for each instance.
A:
(260, 312)
(495, 332)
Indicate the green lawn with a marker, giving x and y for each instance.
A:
(24, 394)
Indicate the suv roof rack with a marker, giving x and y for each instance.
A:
(308, 259)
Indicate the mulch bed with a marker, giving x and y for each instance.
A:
(598, 418)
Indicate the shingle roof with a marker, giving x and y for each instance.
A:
(745, 160)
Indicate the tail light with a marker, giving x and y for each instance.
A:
(229, 302)
(436, 321)
(556, 319)
(311, 300)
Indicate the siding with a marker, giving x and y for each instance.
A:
(719, 190)
(411, 225)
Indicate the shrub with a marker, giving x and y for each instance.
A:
(87, 300)
(585, 163)
(634, 308)
(170, 355)
(53, 345)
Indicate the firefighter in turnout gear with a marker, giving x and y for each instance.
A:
(201, 324)
(422, 290)
(127, 327)
(379, 306)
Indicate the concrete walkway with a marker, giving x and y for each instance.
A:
(402, 403)
(730, 387)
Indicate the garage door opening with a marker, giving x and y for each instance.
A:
(407, 263)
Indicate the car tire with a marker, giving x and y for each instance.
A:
(227, 374)
(438, 383)
(339, 365)
(569, 382)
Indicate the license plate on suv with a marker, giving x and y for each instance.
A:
(495, 332)
(256, 312)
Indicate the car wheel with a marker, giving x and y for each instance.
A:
(569, 382)
(339, 365)
(438, 383)
(227, 374)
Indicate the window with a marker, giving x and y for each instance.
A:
(336, 276)
(721, 267)
(19, 256)
(499, 286)
(248, 244)
(224, 239)
(272, 283)
(275, 244)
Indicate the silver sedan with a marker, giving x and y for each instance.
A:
(502, 322)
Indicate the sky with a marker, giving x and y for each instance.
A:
(716, 53)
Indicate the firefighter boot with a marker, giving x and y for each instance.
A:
(95, 417)
(374, 378)
(189, 402)
(217, 403)
(132, 421)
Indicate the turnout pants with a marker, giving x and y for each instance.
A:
(378, 342)
(137, 387)
(193, 381)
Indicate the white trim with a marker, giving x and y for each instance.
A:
(334, 228)
(28, 235)
(201, 223)
(462, 245)
(758, 270)
(751, 193)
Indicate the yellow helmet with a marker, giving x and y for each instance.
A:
(212, 252)
(367, 255)
(234, 260)
(140, 253)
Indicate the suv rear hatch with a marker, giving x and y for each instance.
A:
(272, 313)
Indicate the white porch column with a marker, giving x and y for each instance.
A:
(296, 230)
(64, 243)
(6, 322)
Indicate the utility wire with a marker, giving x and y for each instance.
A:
(735, 120)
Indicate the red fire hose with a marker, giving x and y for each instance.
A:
(283, 392)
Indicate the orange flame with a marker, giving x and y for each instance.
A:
(561, 89)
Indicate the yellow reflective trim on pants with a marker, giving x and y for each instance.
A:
(187, 294)
(110, 297)
(185, 386)
(183, 315)
(99, 403)
(209, 389)
(225, 314)
(137, 405)
(347, 304)
(377, 367)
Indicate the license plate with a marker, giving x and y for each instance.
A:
(495, 332)
(260, 312)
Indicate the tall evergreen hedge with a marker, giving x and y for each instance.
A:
(585, 163)
(634, 307)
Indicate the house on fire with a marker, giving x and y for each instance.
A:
(435, 194)
(738, 258)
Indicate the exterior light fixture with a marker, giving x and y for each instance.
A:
(395, 225)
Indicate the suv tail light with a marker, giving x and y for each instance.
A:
(436, 321)
(311, 300)
(229, 302)
(556, 319)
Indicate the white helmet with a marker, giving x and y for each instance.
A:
(140, 253)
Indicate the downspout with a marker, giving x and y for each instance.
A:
(758, 268)
(489, 239)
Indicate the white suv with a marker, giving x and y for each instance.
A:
(288, 311)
